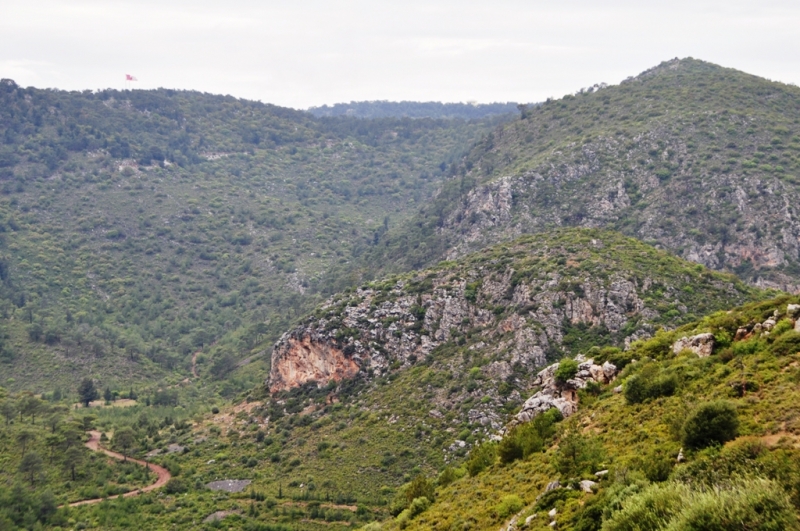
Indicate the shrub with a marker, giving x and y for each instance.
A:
(481, 458)
(712, 423)
(449, 475)
(567, 369)
(754, 504)
(175, 486)
(511, 504)
(527, 439)
(648, 385)
(419, 487)
(787, 344)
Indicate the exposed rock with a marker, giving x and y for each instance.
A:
(563, 397)
(552, 513)
(530, 519)
(552, 486)
(680, 458)
(229, 485)
(701, 344)
(303, 359)
(217, 516)
(793, 310)
(601, 473)
(587, 484)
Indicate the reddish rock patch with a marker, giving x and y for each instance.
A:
(303, 360)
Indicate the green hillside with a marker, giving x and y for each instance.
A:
(313, 450)
(731, 416)
(141, 226)
(695, 158)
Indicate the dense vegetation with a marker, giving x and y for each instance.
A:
(154, 245)
(343, 452)
(139, 227)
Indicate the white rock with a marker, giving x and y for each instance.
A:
(530, 519)
(587, 484)
(601, 473)
(701, 344)
(793, 310)
(552, 513)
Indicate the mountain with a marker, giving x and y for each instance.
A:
(692, 157)
(408, 374)
(414, 109)
(139, 227)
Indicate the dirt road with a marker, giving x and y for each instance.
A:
(163, 474)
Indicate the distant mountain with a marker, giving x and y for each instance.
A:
(415, 109)
(698, 159)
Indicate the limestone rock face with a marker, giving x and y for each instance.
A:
(701, 344)
(563, 396)
(302, 359)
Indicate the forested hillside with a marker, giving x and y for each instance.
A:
(141, 226)
(698, 159)
(445, 358)
(415, 109)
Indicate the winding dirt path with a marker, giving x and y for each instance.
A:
(163, 474)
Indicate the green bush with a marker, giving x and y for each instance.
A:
(648, 385)
(175, 486)
(712, 423)
(524, 440)
(755, 504)
(787, 344)
(481, 458)
(509, 505)
(567, 369)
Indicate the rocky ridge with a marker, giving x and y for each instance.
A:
(489, 322)
(695, 158)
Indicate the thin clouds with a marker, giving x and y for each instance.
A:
(312, 52)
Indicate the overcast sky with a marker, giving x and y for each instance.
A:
(304, 53)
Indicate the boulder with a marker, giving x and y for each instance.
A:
(701, 344)
(587, 484)
(609, 370)
(793, 310)
(553, 485)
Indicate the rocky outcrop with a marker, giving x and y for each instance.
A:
(701, 344)
(716, 202)
(507, 310)
(563, 396)
(304, 359)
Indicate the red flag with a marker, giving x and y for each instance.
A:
(129, 77)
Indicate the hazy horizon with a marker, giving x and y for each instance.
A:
(314, 53)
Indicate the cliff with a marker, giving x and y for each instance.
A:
(506, 311)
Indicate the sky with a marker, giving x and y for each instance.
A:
(305, 52)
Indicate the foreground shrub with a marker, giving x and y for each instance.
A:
(419, 487)
(752, 504)
(529, 438)
(567, 369)
(511, 504)
(712, 423)
(481, 458)
(648, 385)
